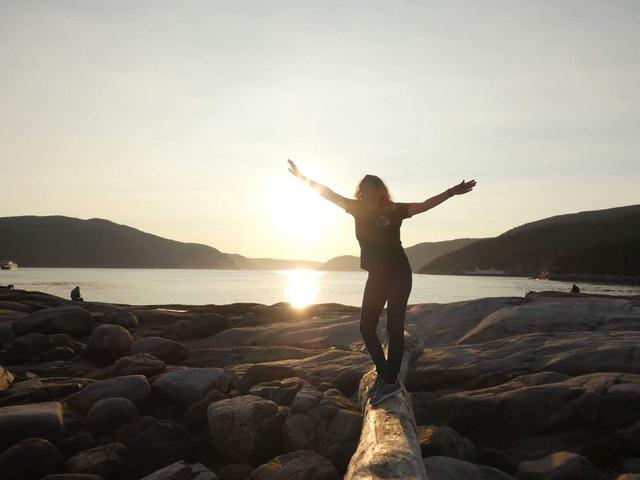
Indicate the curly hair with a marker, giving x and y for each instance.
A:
(377, 183)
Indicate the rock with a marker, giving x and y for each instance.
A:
(76, 443)
(58, 353)
(628, 476)
(245, 429)
(6, 379)
(196, 415)
(300, 465)
(557, 466)
(109, 413)
(41, 420)
(348, 381)
(447, 468)
(281, 392)
(235, 471)
(186, 387)
(445, 441)
(121, 317)
(182, 471)
(107, 343)
(108, 461)
(38, 390)
(631, 465)
(264, 373)
(154, 444)
(180, 330)
(139, 364)
(30, 459)
(132, 387)
(324, 422)
(176, 471)
(67, 319)
(72, 476)
(26, 348)
(166, 350)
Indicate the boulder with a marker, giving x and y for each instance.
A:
(245, 429)
(58, 353)
(186, 387)
(76, 443)
(324, 422)
(41, 389)
(299, 465)
(109, 413)
(264, 373)
(447, 468)
(235, 471)
(445, 441)
(121, 317)
(182, 471)
(132, 387)
(154, 444)
(108, 461)
(107, 343)
(72, 476)
(196, 416)
(6, 379)
(67, 319)
(26, 347)
(41, 420)
(139, 364)
(30, 459)
(557, 466)
(166, 350)
(281, 392)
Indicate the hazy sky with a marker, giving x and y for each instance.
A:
(178, 117)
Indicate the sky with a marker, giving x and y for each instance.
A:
(177, 117)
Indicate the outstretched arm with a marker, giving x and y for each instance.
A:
(324, 191)
(429, 203)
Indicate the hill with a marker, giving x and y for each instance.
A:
(540, 246)
(58, 241)
(419, 254)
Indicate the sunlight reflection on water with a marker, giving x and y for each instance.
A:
(302, 286)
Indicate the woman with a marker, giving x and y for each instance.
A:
(378, 221)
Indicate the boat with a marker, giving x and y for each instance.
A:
(8, 265)
(485, 271)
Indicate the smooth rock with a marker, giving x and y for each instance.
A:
(264, 373)
(166, 350)
(139, 364)
(186, 387)
(76, 443)
(67, 319)
(109, 413)
(121, 317)
(132, 387)
(107, 343)
(447, 468)
(26, 347)
(445, 441)
(299, 465)
(41, 420)
(557, 466)
(245, 429)
(108, 461)
(30, 459)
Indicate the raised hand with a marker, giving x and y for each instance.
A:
(462, 187)
(294, 169)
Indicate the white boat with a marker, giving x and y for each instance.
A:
(8, 265)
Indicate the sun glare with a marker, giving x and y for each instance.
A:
(302, 288)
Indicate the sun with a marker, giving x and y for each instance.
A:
(298, 211)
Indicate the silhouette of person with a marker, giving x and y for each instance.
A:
(377, 225)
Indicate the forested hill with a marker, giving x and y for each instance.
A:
(555, 243)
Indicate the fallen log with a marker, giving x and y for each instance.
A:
(389, 446)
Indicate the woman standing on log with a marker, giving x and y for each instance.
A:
(378, 220)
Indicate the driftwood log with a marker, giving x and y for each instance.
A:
(389, 446)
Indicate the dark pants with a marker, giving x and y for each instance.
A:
(393, 286)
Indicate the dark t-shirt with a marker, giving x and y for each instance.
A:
(378, 233)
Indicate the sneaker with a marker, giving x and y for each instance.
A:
(384, 392)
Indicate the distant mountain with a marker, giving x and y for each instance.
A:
(540, 246)
(418, 255)
(57, 241)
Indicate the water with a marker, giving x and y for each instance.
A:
(300, 287)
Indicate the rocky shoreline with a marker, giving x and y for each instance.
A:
(534, 387)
